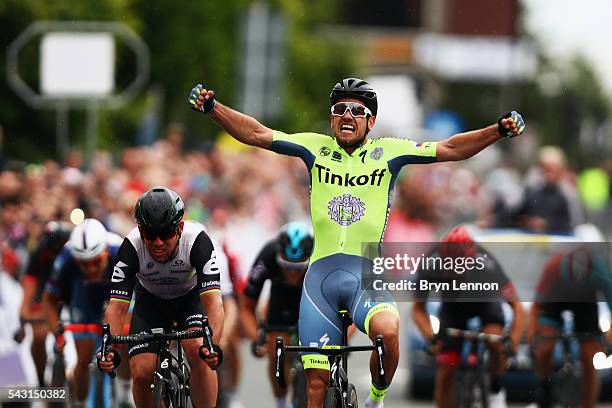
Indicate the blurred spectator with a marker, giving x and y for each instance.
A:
(3, 158)
(74, 159)
(594, 188)
(504, 193)
(550, 202)
(413, 219)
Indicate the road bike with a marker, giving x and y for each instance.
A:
(567, 375)
(299, 397)
(171, 377)
(473, 385)
(341, 393)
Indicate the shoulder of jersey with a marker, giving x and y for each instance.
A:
(66, 250)
(391, 139)
(193, 227)
(317, 135)
(133, 235)
(315, 139)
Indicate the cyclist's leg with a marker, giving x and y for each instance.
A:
(85, 309)
(142, 366)
(38, 349)
(147, 314)
(375, 313)
(492, 321)
(85, 348)
(382, 319)
(587, 328)
(449, 357)
(283, 312)
(203, 380)
(319, 323)
(549, 324)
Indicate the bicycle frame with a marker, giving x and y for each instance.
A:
(170, 365)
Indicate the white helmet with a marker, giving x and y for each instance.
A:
(88, 239)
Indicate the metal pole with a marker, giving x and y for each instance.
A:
(91, 144)
(62, 131)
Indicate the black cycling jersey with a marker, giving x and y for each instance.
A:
(284, 297)
(40, 264)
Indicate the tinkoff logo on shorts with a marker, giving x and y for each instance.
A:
(346, 209)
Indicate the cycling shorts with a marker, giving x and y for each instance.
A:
(586, 316)
(152, 312)
(284, 307)
(331, 284)
(456, 315)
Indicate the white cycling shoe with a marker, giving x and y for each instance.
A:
(498, 400)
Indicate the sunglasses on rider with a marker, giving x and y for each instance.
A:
(163, 234)
(356, 109)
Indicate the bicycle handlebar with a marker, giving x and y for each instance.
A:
(157, 337)
(108, 339)
(334, 351)
(475, 335)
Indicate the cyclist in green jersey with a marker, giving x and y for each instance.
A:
(352, 178)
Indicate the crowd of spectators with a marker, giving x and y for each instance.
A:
(243, 195)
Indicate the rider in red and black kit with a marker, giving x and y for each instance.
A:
(40, 265)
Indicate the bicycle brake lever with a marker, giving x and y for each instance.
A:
(106, 345)
(280, 363)
(208, 334)
(380, 351)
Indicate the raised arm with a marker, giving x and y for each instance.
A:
(242, 127)
(465, 145)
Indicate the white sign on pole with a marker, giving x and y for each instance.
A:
(77, 64)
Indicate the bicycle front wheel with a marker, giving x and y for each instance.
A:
(333, 399)
(161, 397)
(351, 397)
(300, 394)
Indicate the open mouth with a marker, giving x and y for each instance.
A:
(347, 128)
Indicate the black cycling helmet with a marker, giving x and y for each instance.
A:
(296, 242)
(355, 88)
(159, 208)
(56, 234)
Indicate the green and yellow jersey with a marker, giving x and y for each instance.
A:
(350, 194)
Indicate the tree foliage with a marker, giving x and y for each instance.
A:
(189, 42)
